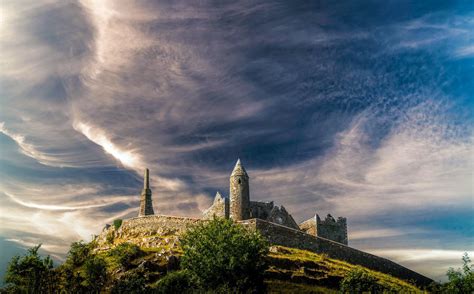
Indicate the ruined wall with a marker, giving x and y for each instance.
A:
(260, 209)
(280, 216)
(329, 228)
(281, 235)
(146, 231)
(332, 229)
(309, 226)
(219, 208)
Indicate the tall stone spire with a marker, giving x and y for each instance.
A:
(239, 193)
(146, 205)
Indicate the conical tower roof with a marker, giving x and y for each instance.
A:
(239, 170)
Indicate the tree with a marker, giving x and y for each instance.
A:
(220, 254)
(78, 253)
(94, 273)
(30, 273)
(83, 271)
(461, 280)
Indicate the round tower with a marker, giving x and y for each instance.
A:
(239, 193)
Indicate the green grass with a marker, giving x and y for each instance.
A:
(290, 270)
(276, 286)
(306, 267)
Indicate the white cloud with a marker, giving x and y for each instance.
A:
(431, 262)
(467, 51)
(128, 158)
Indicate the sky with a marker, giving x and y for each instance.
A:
(361, 109)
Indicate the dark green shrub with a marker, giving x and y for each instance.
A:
(176, 282)
(460, 280)
(94, 273)
(360, 281)
(223, 254)
(30, 273)
(78, 253)
(117, 223)
(125, 253)
(130, 283)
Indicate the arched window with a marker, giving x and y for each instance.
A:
(240, 181)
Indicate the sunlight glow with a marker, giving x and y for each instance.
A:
(126, 157)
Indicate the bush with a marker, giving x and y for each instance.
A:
(125, 253)
(30, 273)
(176, 282)
(460, 280)
(83, 272)
(223, 254)
(117, 223)
(94, 273)
(130, 283)
(360, 281)
(78, 253)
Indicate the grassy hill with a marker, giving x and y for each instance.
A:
(290, 270)
(300, 271)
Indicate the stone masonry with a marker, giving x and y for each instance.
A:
(146, 205)
(239, 193)
(238, 207)
(328, 236)
(220, 208)
(242, 208)
(328, 228)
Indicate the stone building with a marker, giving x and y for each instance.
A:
(328, 228)
(274, 223)
(239, 207)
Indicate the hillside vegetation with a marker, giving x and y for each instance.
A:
(215, 257)
(309, 272)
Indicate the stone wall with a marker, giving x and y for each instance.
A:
(284, 236)
(332, 229)
(160, 230)
(329, 228)
(219, 208)
(146, 231)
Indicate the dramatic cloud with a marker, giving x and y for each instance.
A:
(333, 108)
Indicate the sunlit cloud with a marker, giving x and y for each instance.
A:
(59, 207)
(28, 149)
(128, 158)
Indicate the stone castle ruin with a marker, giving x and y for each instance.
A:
(238, 207)
(328, 236)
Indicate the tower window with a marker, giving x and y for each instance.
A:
(240, 182)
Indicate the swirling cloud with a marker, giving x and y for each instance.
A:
(332, 108)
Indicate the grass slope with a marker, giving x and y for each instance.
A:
(290, 270)
(299, 271)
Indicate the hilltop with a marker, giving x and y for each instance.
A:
(290, 270)
(152, 255)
